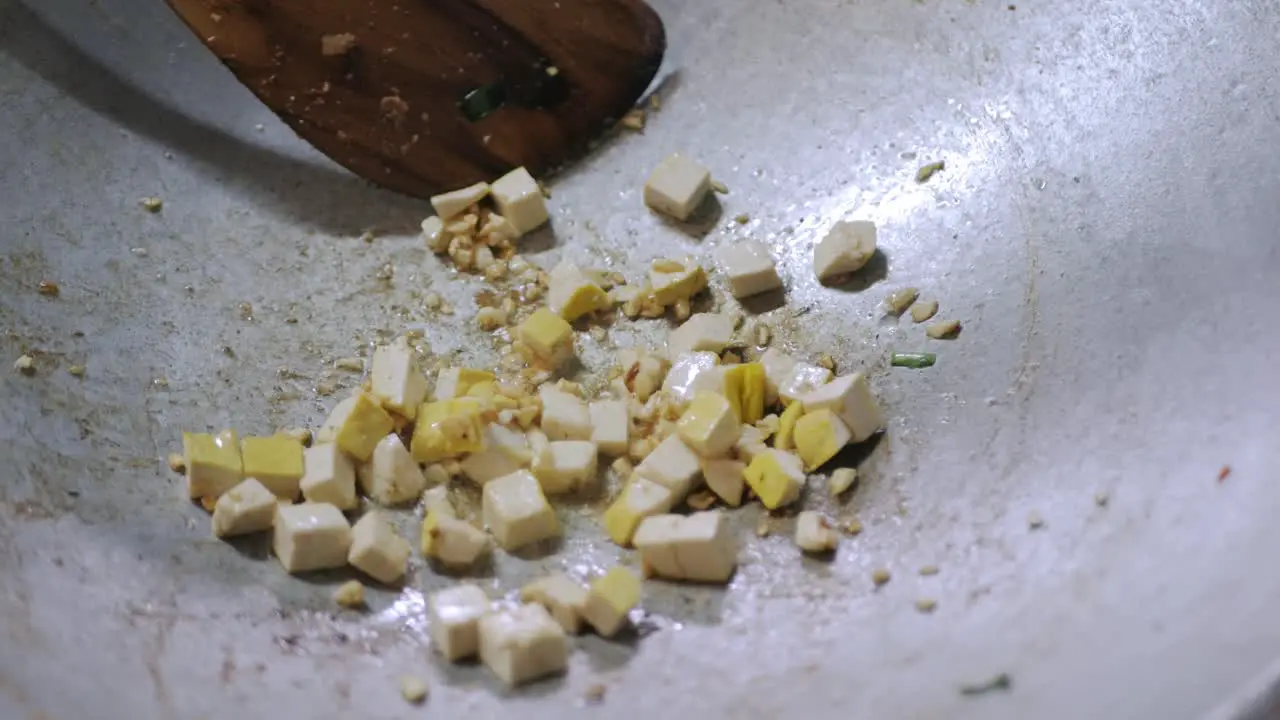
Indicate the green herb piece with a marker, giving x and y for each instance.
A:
(913, 360)
(928, 171)
(1003, 681)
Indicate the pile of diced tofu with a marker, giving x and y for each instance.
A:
(708, 415)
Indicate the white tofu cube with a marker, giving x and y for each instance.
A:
(683, 378)
(845, 249)
(566, 466)
(523, 644)
(248, 507)
(677, 187)
(749, 267)
(562, 596)
(571, 294)
(452, 204)
(777, 369)
(564, 416)
(455, 382)
(725, 478)
(610, 426)
(436, 500)
(455, 544)
(436, 237)
(610, 599)
(328, 431)
(802, 380)
(703, 331)
(329, 476)
(391, 477)
(396, 380)
(709, 426)
(454, 620)
(641, 498)
(700, 547)
(376, 549)
(750, 443)
(520, 200)
(850, 398)
(672, 464)
(814, 534)
(516, 511)
(505, 451)
(310, 536)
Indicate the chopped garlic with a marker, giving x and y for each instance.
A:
(923, 310)
(814, 534)
(841, 480)
(942, 330)
(413, 689)
(349, 594)
(899, 300)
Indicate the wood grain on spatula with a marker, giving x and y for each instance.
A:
(378, 85)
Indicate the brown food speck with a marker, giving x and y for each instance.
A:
(594, 694)
(48, 288)
(1224, 472)
(394, 109)
(337, 44)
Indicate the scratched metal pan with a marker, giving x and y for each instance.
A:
(1105, 228)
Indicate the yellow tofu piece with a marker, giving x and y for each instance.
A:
(819, 435)
(641, 498)
(776, 478)
(213, 463)
(744, 387)
(785, 439)
(456, 382)
(274, 461)
(365, 425)
(610, 598)
(547, 334)
(447, 429)
(709, 425)
(668, 287)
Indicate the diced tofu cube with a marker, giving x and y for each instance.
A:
(274, 461)
(726, 479)
(846, 248)
(516, 511)
(376, 549)
(571, 294)
(802, 380)
(672, 463)
(566, 466)
(436, 499)
(777, 368)
(677, 187)
(703, 331)
(246, 508)
(213, 463)
(749, 267)
(814, 534)
(520, 200)
(850, 398)
(396, 380)
(523, 644)
(391, 477)
(562, 596)
(453, 617)
(750, 443)
(329, 476)
(310, 536)
(819, 435)
(668, 286)
(564, 416)
(784, 439)
(454, 543)
(610, 426)
(610, 598)
(682, 380)
(744, 388)
(447, 429)
(548, 336)
(360, 426)
(641, 498)
(700, 547)
(452, 204)
(436, 237)
(776, 478)
(455, 382)
(328, 431)
(505, 451)
(708, 426)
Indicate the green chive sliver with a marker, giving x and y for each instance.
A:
(913, 360)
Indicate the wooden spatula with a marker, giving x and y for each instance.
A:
(425, 96)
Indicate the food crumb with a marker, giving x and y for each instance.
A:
(337, 44)
(899, 300)
(48, 288)
(701, 500)
(853, 527)
(719, 187)
(413, 689)
(926, 172)
(594, 694)
(1034, 520)
(76, 371)
(923, 310)
(926, 605)
(762, 527)
(880, 576)
(350, 364)
(943, 330)
(1003, 681)
(349, 594)
(302, 435)
(634, 120)
(1224, 472)
(826, 361)
(25, 364)
(151, 204)
(1101, 499)
(929, 570)
(742, 219)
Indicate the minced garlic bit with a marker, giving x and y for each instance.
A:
(413, 689)
(633, 120)
(841, 480)
(1034, 520)
(151, 204)
(763, 335)
(701, 500)
(302, 435)
(1101, 499)
(853, 527)
(432, 301)
(923, 310)
(350, 364)
(594, 694)
(177, 463)
(942, 330)
(826, 361)
(349, 594)
(899, 300)
(880, 576)
(926, 605)
(490, 318)
(76, 371)
(719, 187)
(25, 364)
(762, 527)
(929, 570)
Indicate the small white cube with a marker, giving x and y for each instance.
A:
(436, 237)
(454, 616)
(396, 380)
(310, 536)
(777, 368)
(516, 511)
(451, 204)
(520, 200)
(562, 596)
(610, 600)
(750, 443)
(749, 267)
(672, 464)
(703, 331)
(641, 498)
(725, 478)
(523, 644)
(709, 426)
(802, 380)
(700, 547)
(610, 426)
(814, 534)
(677, 187)
(329, 476)
(850, 398)
(571, 294)
(455, 544)
(683, 379)
(376, 549)
(328, 431)
(505, 451)
(436, 499)
(564, 416)
(248, 507)
(566, 466)
(845, 249)
(391, 477)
